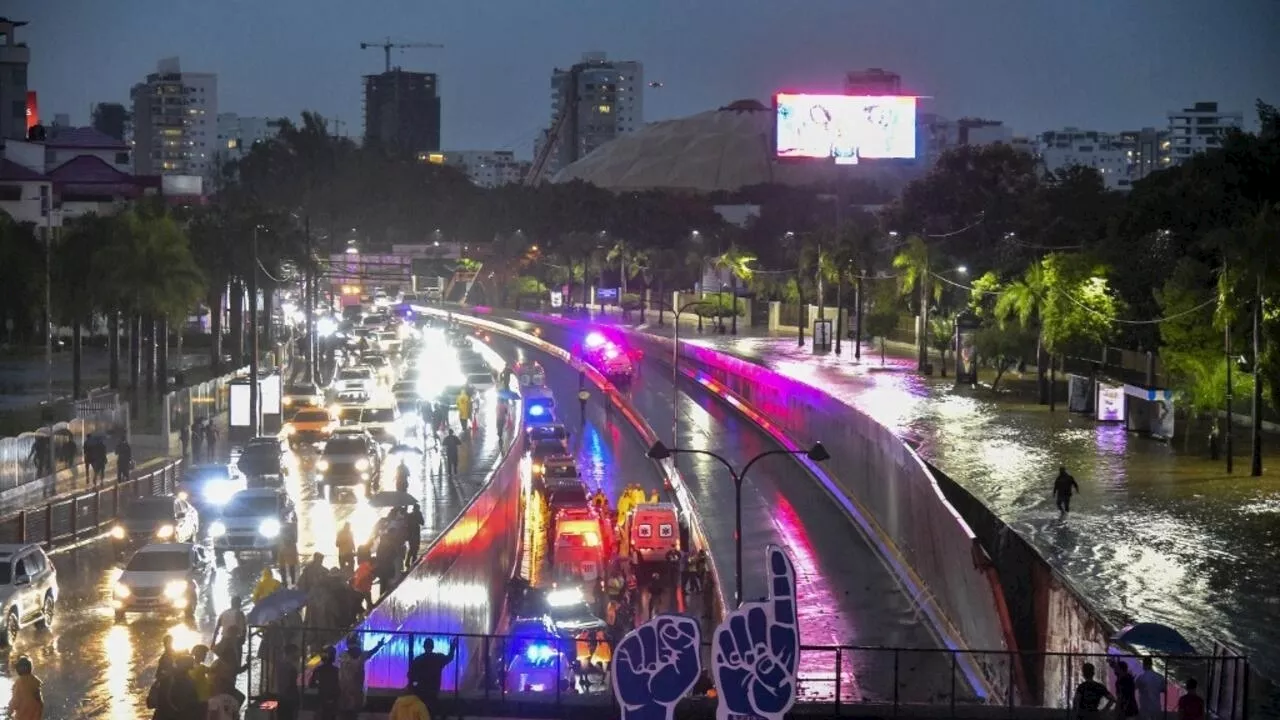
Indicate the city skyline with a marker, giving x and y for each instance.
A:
(1134, 62)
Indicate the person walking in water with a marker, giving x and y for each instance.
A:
(451, 443)
(1064, 486)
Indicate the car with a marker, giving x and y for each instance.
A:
(310, 425)
(209, 487)
(541, 451)
(351, 458)
(348, 415)
(163, 518)
(355, 374)
(261, 459)
(382, 423)
(28, 589)
(534, 658)
(353, 396)
(566, 492)
(251, 522)
(300, 395)
(162, 578)
(405, 386)
(550, 431)
(560, 467)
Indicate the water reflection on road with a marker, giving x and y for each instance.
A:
(1154, 534)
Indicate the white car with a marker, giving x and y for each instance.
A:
(382, 423)
(251, 522)
(162, 578)
(28, 589)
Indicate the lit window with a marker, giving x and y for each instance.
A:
(604, 109)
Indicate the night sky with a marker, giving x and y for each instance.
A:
(1037, 65)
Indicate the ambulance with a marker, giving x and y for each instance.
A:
(530, 374)
(652, 530)
(582, 545)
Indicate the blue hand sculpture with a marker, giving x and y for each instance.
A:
(655, 665)
(756, 648)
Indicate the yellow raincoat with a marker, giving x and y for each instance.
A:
(267, 584)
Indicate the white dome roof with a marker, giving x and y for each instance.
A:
(723, 149)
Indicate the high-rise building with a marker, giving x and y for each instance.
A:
(111, 119)
(488, 168)
(174, 117)
(237, 134)
(1146, 151)
(601, 99)
(1073, 147)
(14, 58)
(402, 112)
(936, 134)
(872, 81)
(1198, 128)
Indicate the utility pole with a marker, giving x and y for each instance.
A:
(1230, 419)
(857, 318)
(308, 299)
(1256, 467)
(255, 394)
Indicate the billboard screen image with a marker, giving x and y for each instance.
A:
(846, 128)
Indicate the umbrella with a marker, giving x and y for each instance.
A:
(276, 605)
(1155, 636)
(392, 498)
(505, 394)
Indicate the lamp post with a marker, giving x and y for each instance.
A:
(255, 393)
(675, 371)
(817, 453)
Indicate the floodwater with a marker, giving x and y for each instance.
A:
(1154, 535)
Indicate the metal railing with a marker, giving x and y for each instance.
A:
(830, 680)
(69, 518)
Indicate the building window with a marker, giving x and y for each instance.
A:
(122, 158)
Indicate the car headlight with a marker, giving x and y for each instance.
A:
(269, 528)
(217, 529)
(290, 429)
(122, 590)
(118, 532)
(219, 493)
(362, 464)
(175, 590)
(322, 465)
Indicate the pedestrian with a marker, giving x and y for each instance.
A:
(267, 584)
(26, 701)
(287, 555)
(197, 438)
(325, 681)
(1126, 690)
(388, 561)
(1191, 705)
(464, 409)
(362, 580)
(201, 675)
(313, 574)
(1151, 690)
(225, 703)
(210, 438)
(426, 670)
(409, 707)
(1063, 487)
(346, 543)
(173, 696)
(451, 444)
(414, 522)
(1214, 435)
(351, 678)
(164, 665)
(1090, 693)
(124, 460)
(184, 437)
(288, 695)
(230, 630)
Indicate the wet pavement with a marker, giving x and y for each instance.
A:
(848, 596)
(93, 667)
(1156, 534)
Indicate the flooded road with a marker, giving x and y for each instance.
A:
(1154, 535)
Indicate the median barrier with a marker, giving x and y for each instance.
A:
(671, 474)
(459, 586)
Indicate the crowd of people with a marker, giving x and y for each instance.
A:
(1142, 695)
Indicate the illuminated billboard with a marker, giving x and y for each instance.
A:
(844, 128)
(33, 110)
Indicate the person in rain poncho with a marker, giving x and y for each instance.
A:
(464, 410)
(27, 700)
(267, 584)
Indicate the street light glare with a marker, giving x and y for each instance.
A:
(963, 270)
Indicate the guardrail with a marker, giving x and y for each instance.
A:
(581, 666)
(619, 400)
(70, 518)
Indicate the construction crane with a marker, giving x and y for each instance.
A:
(387, 46)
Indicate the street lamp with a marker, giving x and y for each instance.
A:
(675, 370)
(817, 453)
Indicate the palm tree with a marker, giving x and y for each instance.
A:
(915, 276)
(77, 285)
(738, 262)
(149, 272)
(208, 234)
(1026, 299)
(22, 276)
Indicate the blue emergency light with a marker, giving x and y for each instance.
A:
(539, 653)
(537, 410)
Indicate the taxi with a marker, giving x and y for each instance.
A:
(310, 425)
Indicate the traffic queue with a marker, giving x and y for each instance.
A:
(599, 565)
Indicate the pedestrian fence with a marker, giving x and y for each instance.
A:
(513, 671)
(200, 401)
(70, 518)
(28, 457)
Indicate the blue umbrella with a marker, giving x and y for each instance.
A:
(276, 605)
(505, 394)
(1155, 636)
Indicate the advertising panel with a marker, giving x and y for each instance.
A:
(846, 128)
(33, 110)
(966, 352)
(239, 405)
(1110, 403)
(270, 394)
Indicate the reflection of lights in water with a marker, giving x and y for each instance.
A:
(118, 648)
(184, 637)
